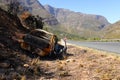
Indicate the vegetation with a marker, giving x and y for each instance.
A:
(62, 34)
(22, 65)
(34, 22)
(85, 25)
(14, 7)
(112, 31)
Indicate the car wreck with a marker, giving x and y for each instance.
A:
(43, 43)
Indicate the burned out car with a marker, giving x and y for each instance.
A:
(43, 43)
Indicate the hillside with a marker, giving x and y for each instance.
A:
(80, 23)
(79, 64)
(12, 57)
(17, 63)
(112, 31)
(70, 22)
(34, 7)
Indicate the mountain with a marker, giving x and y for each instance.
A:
(112, 31)
(79, 23)
(34, 7)
(85, 25)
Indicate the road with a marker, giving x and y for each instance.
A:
(105, 46)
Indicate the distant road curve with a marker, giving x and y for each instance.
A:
(105, 46)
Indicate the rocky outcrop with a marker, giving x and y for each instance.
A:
(34, 7)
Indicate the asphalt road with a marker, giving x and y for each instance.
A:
(105, 46)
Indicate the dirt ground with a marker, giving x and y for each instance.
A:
(80, 63)
(83, 64)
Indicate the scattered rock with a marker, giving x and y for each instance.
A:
(1, 45)
(26, 65)
(63, 73)
(83, 51)
(70, 60)
(4, 65)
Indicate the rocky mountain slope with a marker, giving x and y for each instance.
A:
(78, 22)
(34, 7)
(112, 31)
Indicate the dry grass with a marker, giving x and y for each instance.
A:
(23, 78)
(81, 64)
(86, 64)
(35, 61)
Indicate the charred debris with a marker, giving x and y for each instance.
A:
(21, 41)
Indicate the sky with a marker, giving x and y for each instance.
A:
(110, 9)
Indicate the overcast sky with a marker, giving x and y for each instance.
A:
(107, 8)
